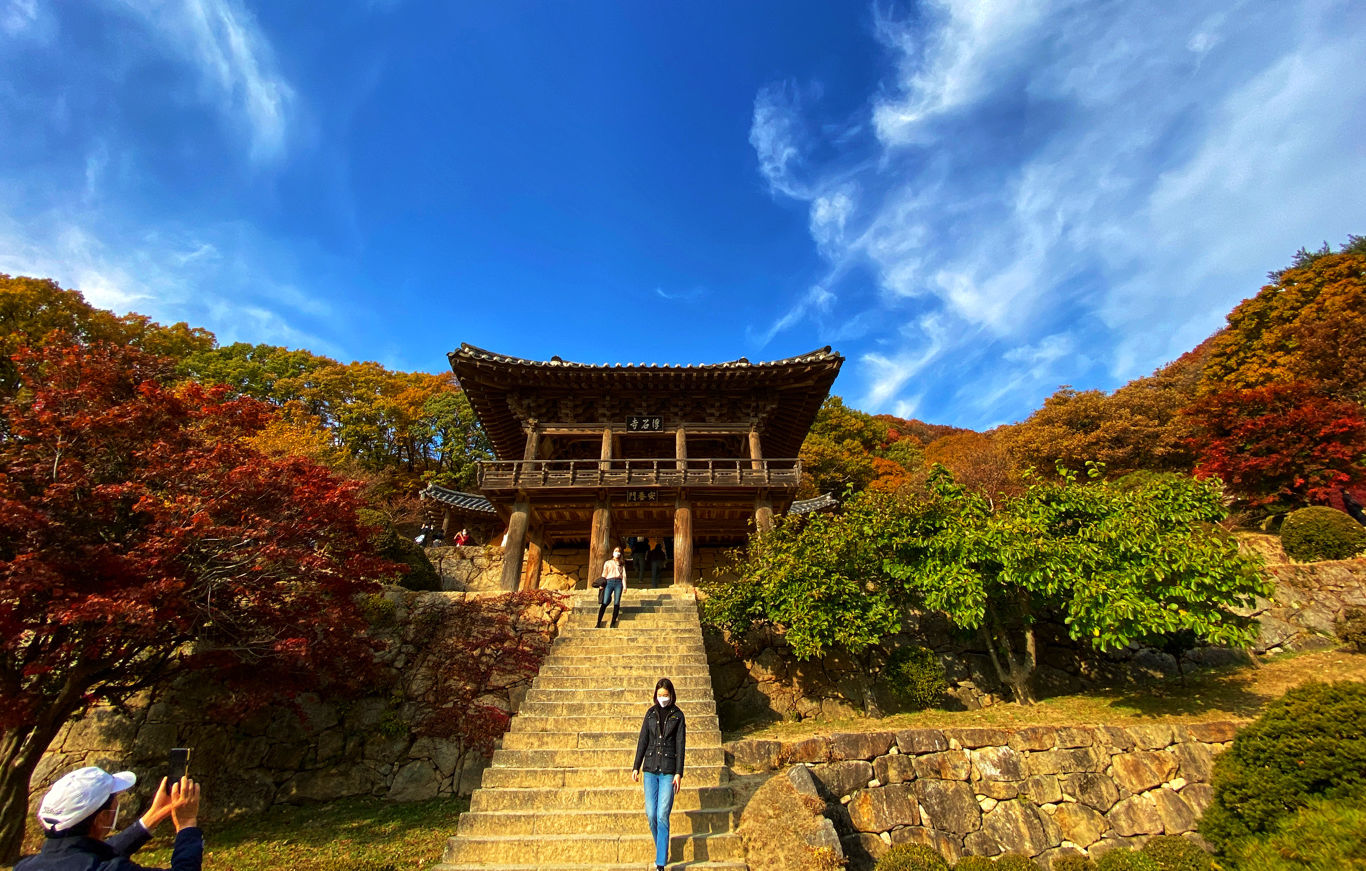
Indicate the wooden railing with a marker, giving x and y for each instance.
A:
(538, 474)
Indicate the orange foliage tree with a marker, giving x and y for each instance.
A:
(1309, 324)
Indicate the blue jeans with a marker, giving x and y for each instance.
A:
(659, 803)
(613, 589)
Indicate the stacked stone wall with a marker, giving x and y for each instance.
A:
(322, 751)
(1043, 791)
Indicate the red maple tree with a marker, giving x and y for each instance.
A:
(473, 652)
(1284, 444)
(141, 537)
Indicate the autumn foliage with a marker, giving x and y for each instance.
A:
(472, 652)
(141, 536)
(1283, 444)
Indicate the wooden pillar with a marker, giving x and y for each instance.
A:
(681, 449)
(446, 523)
(533, 441)
(682, 540)
(600, 537)
(512, 551)
(763, 513)
(756, 453)
(606, 455)
(531, 578)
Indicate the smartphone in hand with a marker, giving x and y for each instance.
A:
(177, 765)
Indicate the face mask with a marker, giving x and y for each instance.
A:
(664, 701)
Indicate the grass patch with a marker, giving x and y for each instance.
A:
(351, 834)
(1237, 693)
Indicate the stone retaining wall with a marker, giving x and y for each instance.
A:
(325, 751)
(1042, 791)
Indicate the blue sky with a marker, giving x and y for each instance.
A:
(975, 201)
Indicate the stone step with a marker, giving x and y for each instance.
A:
(634, 695)
(629, 819)
(640, 660)
(595, 798)
(618, 774)
(618, 740)
(696, 722)
(635, 708)
(626, 633)
(598, 757)
(549, 850)
(586, 670)
(642, 690)
(588, 676)
(682, 650)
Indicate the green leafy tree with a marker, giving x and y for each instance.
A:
(818, 583)
(1116, 564)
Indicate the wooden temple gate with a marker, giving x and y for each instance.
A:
(594, 453)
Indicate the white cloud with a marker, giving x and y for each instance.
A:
(236, 65)
(16, 16)
(1070, 191)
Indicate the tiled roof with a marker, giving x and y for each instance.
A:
(470, 352)
(819, 503)
(471, 502)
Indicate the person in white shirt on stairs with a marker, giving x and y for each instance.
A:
(614, 572)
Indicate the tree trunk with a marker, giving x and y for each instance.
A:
(20, 751)
(866, 686)
(1020, 671)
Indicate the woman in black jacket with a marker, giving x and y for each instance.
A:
(659, 752)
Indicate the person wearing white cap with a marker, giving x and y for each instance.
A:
(82, 808)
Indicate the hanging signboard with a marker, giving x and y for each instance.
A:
(645, 424)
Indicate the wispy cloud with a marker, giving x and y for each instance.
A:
(1046, 193)
(235, 63)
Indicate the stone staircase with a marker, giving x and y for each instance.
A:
(559, 793)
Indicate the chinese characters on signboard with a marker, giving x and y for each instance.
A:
(645, 424)
(643, 496)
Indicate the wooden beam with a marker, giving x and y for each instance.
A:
(599, 537)
(683, 540)
(763, 514)
(681, 448)
(531, 578)
(516, 541)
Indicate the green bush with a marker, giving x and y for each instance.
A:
(1310, 743)
(975, 863)
(1073, 863)
(1321, 533)
(1352, 629)
(1014, 862)
(1124, 859)
(1175, 853)
(1321, 836)
(916, 676)
(421, 574)
(911, 857)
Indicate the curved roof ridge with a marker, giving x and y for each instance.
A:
(473, 352)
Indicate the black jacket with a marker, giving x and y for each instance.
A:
(660, 747)
(79, 853)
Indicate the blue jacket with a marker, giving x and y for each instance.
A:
(79, 853)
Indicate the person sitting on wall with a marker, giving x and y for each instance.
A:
(82, 808)
(462, 538)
